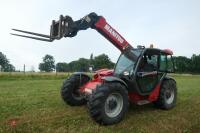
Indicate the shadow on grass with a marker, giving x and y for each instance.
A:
(133, 108)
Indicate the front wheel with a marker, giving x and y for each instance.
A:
(108, 103)
(168, 95)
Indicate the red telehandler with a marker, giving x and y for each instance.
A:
(139, 76)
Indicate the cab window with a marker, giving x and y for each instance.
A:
(166, 63)
(170, 64)
(163, 63)
(153, 60)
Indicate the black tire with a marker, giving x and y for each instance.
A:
(70, 87)
(166, 100)
(98, 99)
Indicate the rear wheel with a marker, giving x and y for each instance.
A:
(168, 95)
(108, 103)
(70, 90)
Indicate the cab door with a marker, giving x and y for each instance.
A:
(166, 64)
(147, 74)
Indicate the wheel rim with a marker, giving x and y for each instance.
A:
(113, 105)
(169, 96)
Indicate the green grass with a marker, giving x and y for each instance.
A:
(32, 75)
(36, 106)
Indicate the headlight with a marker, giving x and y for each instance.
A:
(87, 90)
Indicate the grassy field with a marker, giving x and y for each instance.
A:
(33, 104)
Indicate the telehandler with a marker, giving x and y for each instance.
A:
(139, 76)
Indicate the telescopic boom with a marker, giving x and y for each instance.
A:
(66, 27)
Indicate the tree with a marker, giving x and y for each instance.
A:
(182, 64)
(62, 67)
(48, 64)
(188, 65)
(3, 60)
(5, 65)
(80, 65)
(9, 68)
(195, 63)
(103, 61)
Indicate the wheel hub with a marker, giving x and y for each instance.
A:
(113, 105)
(169, 96)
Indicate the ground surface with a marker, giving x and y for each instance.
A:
(33, 104)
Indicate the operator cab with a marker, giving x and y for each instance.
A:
(143, 68)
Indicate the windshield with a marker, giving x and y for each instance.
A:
(127, 61)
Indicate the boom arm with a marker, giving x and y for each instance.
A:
(66, 27)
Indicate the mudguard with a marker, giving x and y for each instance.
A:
(81, 74)
(169, 78)
(114, 79)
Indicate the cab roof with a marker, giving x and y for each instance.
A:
(158, 51)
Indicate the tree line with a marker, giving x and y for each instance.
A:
(187, 65)
(82, 64)
(182, 64)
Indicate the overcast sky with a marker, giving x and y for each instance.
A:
(173, 24)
